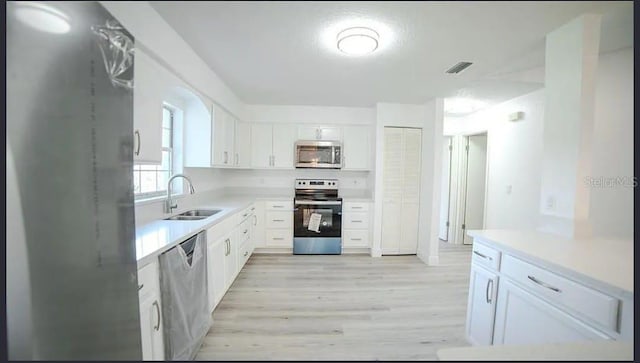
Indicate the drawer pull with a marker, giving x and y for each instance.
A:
(246, 253)
(253, 208)
(245, 215)
(245, 231)
(356, 207)
(277, 220)
(356, 239)
(355, 221)
(483, 256)
(543, 284)
(140, 287)
(278, 238)
(278, 206)
(487, 295)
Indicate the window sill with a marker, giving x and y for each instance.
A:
(157, 199)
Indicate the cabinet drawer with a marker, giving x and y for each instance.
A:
(355, 238)
(284, 205)
(244, 230)
(355, 220)
(591, 304)
(245, 253)
(355, 207)
(246, 213)
(279, 219)
(148, 280)
(485, 256)
(279, 237)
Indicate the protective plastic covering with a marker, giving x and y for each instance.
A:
(184, 300)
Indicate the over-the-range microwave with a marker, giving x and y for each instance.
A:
(318, 154)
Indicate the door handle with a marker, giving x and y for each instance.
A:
(486, 293)
(137, 133)
(157, 327)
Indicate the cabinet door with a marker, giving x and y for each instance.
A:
(229, 138)
(257, 233)
(216, 271)
(243, 145)
(330, 133)
(151, 328)
(157, 337)
(146, 329)
(481, 307)
(356, 153)
(308, 133)
(261, 139)
(147, 110)
(284, 136)
(523, 318)
(231, 260)
(223, 135)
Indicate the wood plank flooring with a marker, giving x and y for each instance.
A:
(347, 307)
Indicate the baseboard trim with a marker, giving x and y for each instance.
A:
(375, 252)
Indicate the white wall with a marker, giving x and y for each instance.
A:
(320, 115)
(515, 152)
(612, 208)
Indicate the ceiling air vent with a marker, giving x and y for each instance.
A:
(461, 66)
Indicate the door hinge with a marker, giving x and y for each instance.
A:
(466, 148)
(447, 225)
(450, 147)
(463, 226)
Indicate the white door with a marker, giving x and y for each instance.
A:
(481, 307)
(475, 184)
(243, 145)
(356, 148)
(284, 136)
(522, 318)
(261, 148)
(445, 184)
(392, 174)
(147, 111)
(411, 165)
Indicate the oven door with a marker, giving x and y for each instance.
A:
(317, 218)
(318, 155)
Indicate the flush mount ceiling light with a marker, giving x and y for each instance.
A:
(42, 17)
(357, 40)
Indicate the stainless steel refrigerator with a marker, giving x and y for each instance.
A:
(71, 263)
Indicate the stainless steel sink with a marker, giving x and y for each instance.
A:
(194, 215)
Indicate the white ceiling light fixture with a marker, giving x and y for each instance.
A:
(357, 41)
(43, 17)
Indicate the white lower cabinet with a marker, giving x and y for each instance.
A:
(216, 282)
(523, 318)
(483, 286)
(151, 326)
(278, 223)
(230, 259)
(356, 219)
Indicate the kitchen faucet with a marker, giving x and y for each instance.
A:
(169, 205)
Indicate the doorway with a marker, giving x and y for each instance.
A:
(463, 189)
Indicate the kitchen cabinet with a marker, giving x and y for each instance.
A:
(355, 225)
(147, 110)
(223, 129)
(401, 190)
(151, 326)
(272, 145)
(258, 228)
(483, 287)
(523, 318)
(278, 223)
(242, 144)
(319, 133)
(356, 148)
(230, 258)
(216, 283)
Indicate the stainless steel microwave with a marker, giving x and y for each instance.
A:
(318, 154)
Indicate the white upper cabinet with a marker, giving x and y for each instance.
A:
(319, 133)
(147, 110)
(223, 152)
(356, 148)
(272, 145)
(243, 145)
(197, 133)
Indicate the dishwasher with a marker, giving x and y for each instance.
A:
(183, 288)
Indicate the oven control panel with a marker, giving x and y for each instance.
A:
(316, 184)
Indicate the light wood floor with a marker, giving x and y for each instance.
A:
(347, 307)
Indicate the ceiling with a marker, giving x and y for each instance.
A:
(283, 52)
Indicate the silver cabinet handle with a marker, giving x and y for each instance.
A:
(486, 292)
(155, 303)
(255, 220)
(245, 231)
(356, 239)
(245, 215)
(137, 133)
(246, 253)
(356, 221)
(277, 220)
(253, 208)
(356, 207)
(273, 157)
(140, 287)
(226, 157)
(236, 158)
(543, 284)
(278, 238)
(278, 206)
(483, 256)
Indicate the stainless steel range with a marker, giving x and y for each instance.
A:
(317, 218)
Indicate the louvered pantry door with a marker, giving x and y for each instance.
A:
(410, 191)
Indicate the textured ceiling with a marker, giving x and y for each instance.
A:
(282, 52)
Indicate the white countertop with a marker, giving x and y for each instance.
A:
(596, 350)
(158, 236)
(606, 263)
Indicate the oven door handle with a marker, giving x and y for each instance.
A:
(317, 202)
